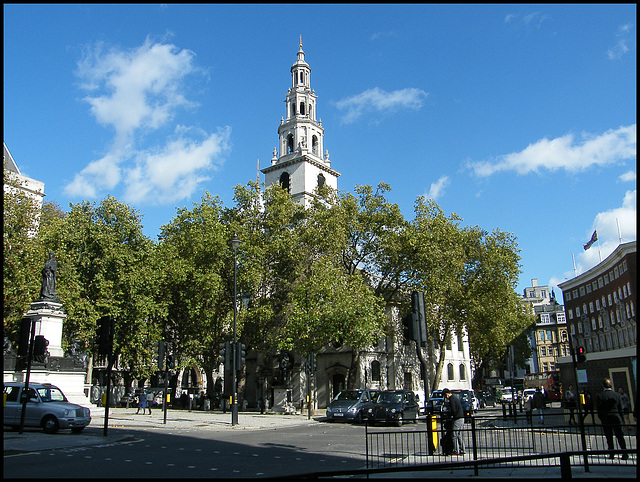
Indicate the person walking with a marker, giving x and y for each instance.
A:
(588, 406)
(539, 403)
(142, 402)
(457, 421)
(570, 403)
(626, 407)
(609, 409)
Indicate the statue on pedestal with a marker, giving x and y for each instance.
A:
(49, 273)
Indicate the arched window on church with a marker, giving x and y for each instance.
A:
(289, 143)
(321, 181)
(284, 181)
(293, 109)
(302, 77)
(375, 371)
(314, 145)
(301, 108)
(450, 374)
(463, 372)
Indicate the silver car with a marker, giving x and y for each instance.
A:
(351, 405)
(47, 407)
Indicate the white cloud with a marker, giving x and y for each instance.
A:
(175, 171)
(607, 224)
(379, 100)
(437, 188)
(565, 153)
(625, 35)
(137, 92)
(629, 176)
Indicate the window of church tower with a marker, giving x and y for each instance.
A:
(284, 181)
(289, 143)
(314, 145)
(301, 108)
(321, 181)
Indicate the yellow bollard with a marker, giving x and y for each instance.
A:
(104, 399)
(434, 431)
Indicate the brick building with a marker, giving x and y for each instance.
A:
(600, 309)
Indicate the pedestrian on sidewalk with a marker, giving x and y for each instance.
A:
(626, 407)
(570, 403)
(457, 421)
(539, 403)
(142, 402)
(588, 406)
(610, 413)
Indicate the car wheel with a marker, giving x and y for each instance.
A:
(77, 429)
(50, 424)
(358, 418)
(399, 421)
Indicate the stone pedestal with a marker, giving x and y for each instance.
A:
(68, 373)
(282, 401)
(49, 318)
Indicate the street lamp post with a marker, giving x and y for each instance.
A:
(235, 243)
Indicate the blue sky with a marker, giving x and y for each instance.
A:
(517, 117)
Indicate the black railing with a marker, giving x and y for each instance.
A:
(500, 439)
(563, 460)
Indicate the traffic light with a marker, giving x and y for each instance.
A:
(312, 364)
(225, 354)
(160, 355)
(25, 334)
(582, 354)
(241, 354)
(40, 348)
(105, 335)
(170, 362)
(419, 318)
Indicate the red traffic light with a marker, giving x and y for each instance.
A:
(582, 354)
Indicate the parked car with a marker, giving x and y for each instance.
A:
(435, 403)
(466, 400)
(352, 405)
(47, 407)
(507, 395)
(394, 406)
(527, 394)
(487, 398)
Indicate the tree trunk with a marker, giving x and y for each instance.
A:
(352, 377)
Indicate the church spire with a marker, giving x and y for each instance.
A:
(300, 165)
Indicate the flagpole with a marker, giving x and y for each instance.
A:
(575, 270)
(619, 235)
(599, 253)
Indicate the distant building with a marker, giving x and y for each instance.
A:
(601, 314)
(30, 187)
(549, 340)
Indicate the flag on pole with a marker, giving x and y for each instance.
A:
(594, 238)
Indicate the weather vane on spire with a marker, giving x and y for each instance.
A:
(300, 41)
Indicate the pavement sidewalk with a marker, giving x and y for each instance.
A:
(34, 440)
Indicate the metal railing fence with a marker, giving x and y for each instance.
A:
(495, 437)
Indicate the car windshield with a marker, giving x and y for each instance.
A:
(390, 398)
(350, 395)
(51, 394)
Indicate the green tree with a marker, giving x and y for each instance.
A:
(195, 254)
(22, 263)
(106, 267)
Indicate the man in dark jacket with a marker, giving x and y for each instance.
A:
(456, 413)
(610, 413)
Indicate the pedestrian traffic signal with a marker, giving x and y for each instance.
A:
(160, 355)
(241, 354)
(40, 349)
(105, 335)
(582, 354)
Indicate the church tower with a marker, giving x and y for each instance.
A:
(301, 166)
